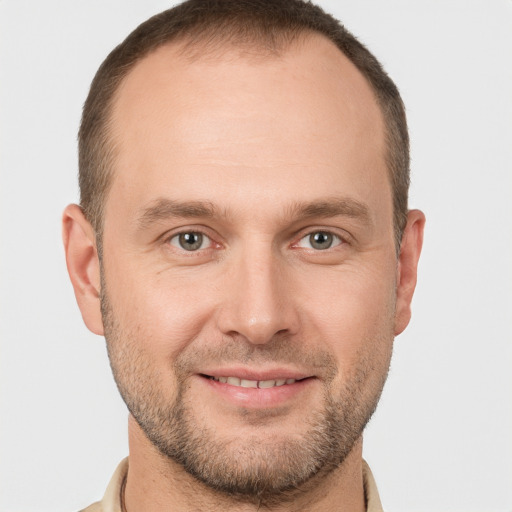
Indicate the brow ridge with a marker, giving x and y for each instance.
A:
(331, 207)
(165, 208)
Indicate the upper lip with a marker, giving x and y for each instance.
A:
(254, 374)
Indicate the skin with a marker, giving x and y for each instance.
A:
(258, 140)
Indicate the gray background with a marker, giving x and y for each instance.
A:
(441, 439)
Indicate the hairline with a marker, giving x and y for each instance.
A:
(217, 44)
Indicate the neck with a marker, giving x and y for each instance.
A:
(158, 484)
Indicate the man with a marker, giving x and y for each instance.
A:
(243, 242)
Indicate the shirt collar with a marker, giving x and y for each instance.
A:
(111, 501)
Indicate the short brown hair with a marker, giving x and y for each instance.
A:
(268, 24)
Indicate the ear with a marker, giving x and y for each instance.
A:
(410, 250)
(83, 265)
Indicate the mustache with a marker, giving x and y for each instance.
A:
(236, 350)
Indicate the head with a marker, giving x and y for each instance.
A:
(244, 169)
(262, 26)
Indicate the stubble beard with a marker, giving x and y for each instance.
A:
(268, 470)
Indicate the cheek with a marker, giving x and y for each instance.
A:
(163, 311)
(353, 313)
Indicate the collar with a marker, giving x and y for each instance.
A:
(111, 501)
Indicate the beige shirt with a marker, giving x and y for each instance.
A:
(111, 501)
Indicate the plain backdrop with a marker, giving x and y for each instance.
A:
(441, 438)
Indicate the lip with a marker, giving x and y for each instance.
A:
(256, 398)
(252, 374)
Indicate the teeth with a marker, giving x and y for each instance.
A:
(248, 383)
(266, 383)
(262, 384)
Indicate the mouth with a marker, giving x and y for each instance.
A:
(246, 383)
(257, 389)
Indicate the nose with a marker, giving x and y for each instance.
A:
(258, 298)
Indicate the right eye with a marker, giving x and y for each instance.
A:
(190, 241)
(320, 240)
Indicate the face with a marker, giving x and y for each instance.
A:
(249, 274)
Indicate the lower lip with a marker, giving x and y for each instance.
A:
(258, 398)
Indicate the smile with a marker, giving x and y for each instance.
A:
(244, 383)
(257, 390)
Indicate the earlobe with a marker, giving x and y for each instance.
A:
(410, 250)
(83, 265)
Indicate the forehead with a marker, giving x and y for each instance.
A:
(210, 123)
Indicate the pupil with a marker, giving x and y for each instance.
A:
(191, 241)
(321, 240)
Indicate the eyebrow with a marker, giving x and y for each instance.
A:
(165, 208)
(331, 207)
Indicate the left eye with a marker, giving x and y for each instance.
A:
(320, 240)
(190, 241)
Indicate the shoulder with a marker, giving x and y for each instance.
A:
(111, 501)
(95, 507)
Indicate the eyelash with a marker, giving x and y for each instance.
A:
(176, 236)
(337, 240)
